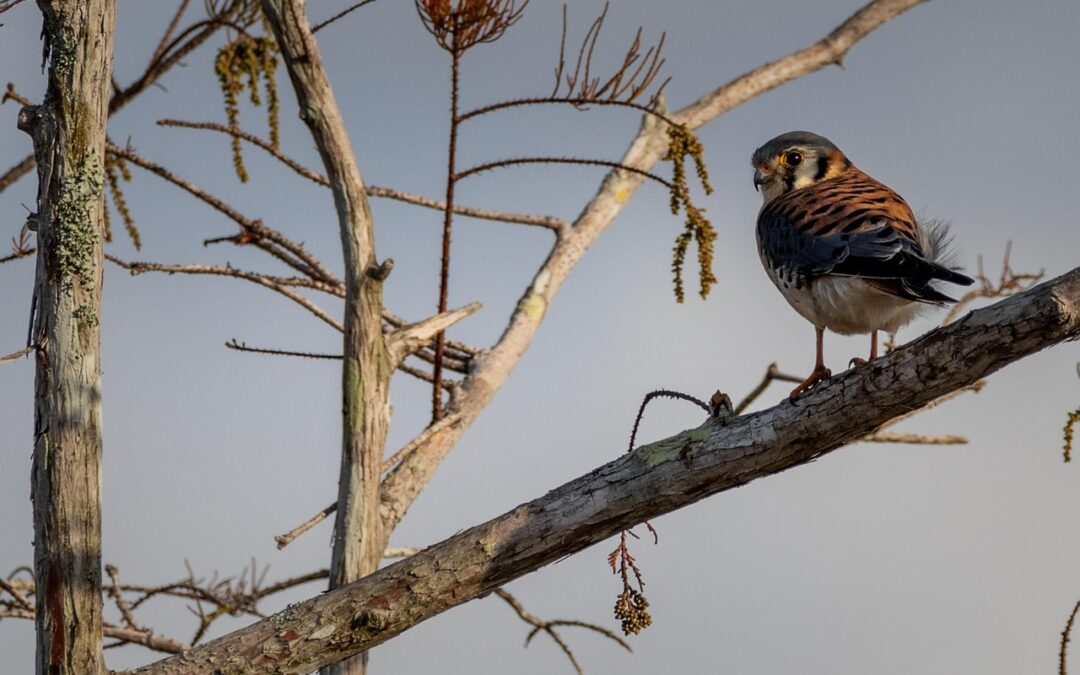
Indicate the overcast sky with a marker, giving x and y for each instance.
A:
(876, 559)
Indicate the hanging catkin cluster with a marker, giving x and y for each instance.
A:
(116, 169)
(682, 143)
(240, 65)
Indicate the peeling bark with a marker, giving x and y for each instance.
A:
(69, 147)
(651, 480)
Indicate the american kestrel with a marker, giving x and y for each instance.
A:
(846, 251)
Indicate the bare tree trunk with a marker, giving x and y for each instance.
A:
(367, 366)
(69, 146)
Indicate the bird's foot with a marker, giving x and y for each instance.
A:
(818, 375)
(856, 362)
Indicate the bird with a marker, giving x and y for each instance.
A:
(845, 250)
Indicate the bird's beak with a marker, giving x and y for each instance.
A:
(759, 179)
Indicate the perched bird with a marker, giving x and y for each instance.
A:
(845, 251)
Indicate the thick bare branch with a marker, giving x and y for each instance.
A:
(414, 337)
(722, 454)
(403, 485)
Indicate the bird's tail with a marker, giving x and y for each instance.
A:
(936, 243)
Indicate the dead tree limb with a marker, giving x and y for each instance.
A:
(648, 482)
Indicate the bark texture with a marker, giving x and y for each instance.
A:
(652, 480)
(366, 369)
(68, 130)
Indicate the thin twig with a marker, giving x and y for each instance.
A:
(577, 102)
(1007, 284)
(260, 233)
(284, 540)
(390, 462)
(1065, 637)
(243, 347)
(449, 385)
(15, 356)
(11, 94)
(136, 268)
(974, 388)
(118, 597)
(323, 24)
(540, 625)
(519, 161)
(772, 373)
(16, 172)
(913, 439)
(13, 592)
(548, 222)
(5, 5)
(662, 393)
(169, 30)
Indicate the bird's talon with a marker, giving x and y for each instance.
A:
(819, 375)
(856, 362)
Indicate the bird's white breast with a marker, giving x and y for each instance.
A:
(846, 305)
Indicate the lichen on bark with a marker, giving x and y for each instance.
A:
(76, 230)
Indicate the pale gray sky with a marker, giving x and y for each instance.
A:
(885, 559)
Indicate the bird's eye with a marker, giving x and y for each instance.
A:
(792, 158)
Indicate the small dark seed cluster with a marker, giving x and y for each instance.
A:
(632, 608)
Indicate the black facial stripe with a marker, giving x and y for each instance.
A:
(822, 167)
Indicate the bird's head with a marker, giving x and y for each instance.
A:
(795, 160)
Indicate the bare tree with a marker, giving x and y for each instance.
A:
(367, 605)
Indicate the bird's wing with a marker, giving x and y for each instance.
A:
(850, 226)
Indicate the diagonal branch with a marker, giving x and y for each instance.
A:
(405, 483)
(721, 454)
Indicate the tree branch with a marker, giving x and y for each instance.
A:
(404, 484)
(722, 454)
(414, 337)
